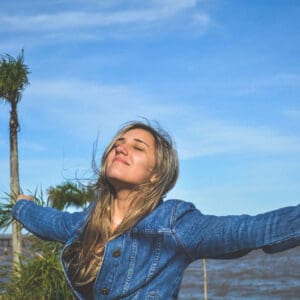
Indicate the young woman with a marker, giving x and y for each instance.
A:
(131, 244)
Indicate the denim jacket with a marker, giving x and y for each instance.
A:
(148, 261)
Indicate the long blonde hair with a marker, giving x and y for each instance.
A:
(85, 256)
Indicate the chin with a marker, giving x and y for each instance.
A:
(119, 182)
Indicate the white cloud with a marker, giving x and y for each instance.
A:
(267, 82)
(45, 24)
(239, 199)
(37, 173)
(84, 107)
(158, 11)
(213, 137)
(292, 113)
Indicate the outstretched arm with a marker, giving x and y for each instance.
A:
(45, 222)
(234, 236)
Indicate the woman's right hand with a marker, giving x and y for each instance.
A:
(24, 197)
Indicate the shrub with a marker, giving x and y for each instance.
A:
(39, 274)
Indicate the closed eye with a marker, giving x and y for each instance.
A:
(138, 148)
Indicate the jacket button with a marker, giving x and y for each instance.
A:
(116, 253)
(104, 291)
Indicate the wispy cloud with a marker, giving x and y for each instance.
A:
(266, 82)
(79, 21)
(94, 106)
(42, 172)
(292, 113)
(158, 11)
(89, 107)
(213, 137)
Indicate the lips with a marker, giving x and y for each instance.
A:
(121, 160)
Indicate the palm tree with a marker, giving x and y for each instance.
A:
(13, 80)
(39, 274)
(68, 193)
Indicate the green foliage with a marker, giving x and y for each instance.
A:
(67, 194)
(6, 208)
(13, 77)
(5, 212)
(60, 197)
(39, 275)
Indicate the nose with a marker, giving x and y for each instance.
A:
(121, 149)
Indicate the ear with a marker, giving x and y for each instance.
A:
(153, 178)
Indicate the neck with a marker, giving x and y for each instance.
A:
(120, 205)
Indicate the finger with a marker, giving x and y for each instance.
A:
(24, 197)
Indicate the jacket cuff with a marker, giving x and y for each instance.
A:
(18, 207)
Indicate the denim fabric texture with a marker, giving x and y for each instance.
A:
(148, 261)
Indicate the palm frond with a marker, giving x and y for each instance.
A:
(7, 203)
(13, 77)
(67, 194)
(5, 212)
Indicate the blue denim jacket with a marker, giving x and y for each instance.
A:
(148, 261)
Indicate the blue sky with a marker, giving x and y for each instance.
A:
(222, 77)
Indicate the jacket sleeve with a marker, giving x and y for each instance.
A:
(47, 223)
(234, 236)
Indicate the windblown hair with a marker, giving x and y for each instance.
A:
(84, 257)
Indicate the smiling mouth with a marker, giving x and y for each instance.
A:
(118, 159)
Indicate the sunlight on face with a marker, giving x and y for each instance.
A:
(132, 159)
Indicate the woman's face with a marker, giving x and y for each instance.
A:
(132, 159)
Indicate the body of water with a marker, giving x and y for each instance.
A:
(256, 276)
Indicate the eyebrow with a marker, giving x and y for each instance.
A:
(136, 140)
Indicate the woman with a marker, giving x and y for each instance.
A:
(131, 244)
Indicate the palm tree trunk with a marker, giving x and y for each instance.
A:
(14, 178)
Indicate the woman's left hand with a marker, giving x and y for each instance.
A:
(24, 197)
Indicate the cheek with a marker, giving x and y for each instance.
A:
(107, 162)
(109, 158)
(147, 166)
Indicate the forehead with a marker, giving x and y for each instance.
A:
(139, 134)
